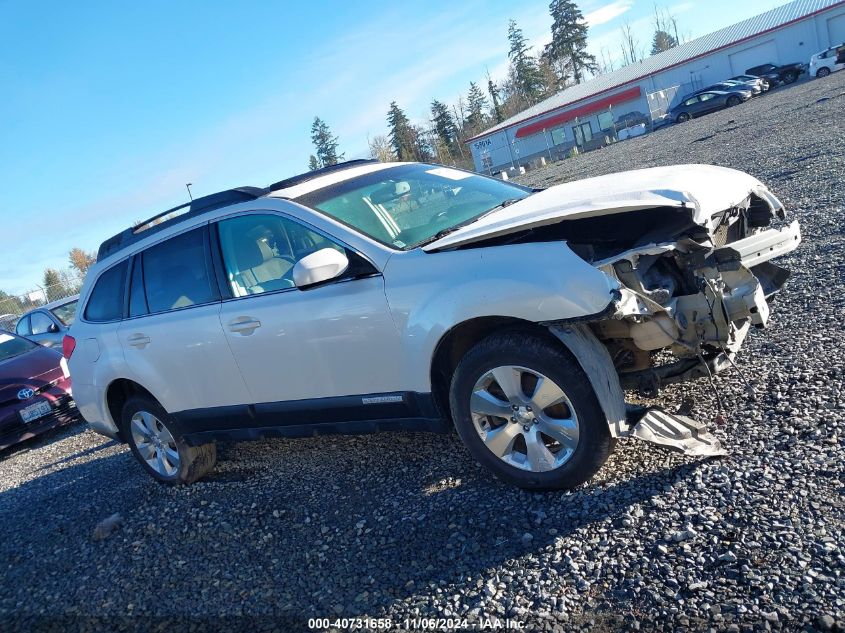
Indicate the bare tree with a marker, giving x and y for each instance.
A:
(381, 149)
(631, 51)
(605, 61)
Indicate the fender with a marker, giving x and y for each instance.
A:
(538, 282)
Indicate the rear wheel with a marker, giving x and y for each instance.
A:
(526, 411)
(148, 430)
(683, 117)
(790, 77)
(733, 100)
(823, 72)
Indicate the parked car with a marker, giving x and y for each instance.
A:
(370, 296)
(785, 74)
(632, 119)
(8, 321)
(733, 85)
(48, 324)
(752, 80)
(35, 390)
(828, 61)
(700, 103)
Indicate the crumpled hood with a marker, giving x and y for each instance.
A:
(704, 189)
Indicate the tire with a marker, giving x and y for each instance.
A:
(179, 463)
(577, 417)
(789, 78)
(733, 100)
(683, 117)
(823, 72)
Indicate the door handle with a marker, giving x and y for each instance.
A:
(138, 340)
(244, 325)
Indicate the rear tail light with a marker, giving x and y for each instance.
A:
(68, 345)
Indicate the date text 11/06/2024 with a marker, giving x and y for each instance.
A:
(424, 624)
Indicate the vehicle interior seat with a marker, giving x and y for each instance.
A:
(259, 268)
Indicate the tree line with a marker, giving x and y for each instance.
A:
(531, 78)
(55, 284)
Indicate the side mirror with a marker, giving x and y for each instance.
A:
(318, 267)
(53, 329)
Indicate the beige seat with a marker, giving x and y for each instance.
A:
(259, 269)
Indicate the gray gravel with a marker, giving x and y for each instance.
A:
(406, 525)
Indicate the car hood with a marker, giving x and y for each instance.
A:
(32, 369)
(701, 190)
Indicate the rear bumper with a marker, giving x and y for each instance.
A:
(91, 401)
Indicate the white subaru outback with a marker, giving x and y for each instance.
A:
(370, 296)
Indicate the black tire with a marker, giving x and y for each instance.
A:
(194, 461)
(549, 357)
(789, 78)
(683, 117)
(823, 72)
(733, 100)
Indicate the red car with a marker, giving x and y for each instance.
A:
(35, 391)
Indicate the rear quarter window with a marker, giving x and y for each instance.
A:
(106, 300)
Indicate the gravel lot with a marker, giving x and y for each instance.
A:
(406, 525)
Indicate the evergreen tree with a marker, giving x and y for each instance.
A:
(476, 105)
(313, 163)
(325, 144)
(662, 41)
(444, 125)
(54, 286)
(401, 133)
(569, 39)
(494, 95)
(524, 70)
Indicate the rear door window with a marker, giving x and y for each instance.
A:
(106, 301)
(177, 273)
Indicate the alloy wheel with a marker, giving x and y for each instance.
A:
(155, 443)
(524, 418)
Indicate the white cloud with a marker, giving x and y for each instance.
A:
(608, 12)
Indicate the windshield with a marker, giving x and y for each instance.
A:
(13, 346)
(65, 313)
(407, 205)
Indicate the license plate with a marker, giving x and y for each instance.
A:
(35, 411)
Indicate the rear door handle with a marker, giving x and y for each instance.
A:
(244, 325)
(138, 340)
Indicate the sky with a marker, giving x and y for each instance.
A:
(108, 108)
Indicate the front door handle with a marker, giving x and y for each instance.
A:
(138, 340)
(244, 325)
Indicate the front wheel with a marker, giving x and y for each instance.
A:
(526, 411)
(789, 78)
(683, 117)
(148, 430)
(823, 72)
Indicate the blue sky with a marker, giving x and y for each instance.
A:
(109, 108)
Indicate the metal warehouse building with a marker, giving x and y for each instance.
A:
(580, 115)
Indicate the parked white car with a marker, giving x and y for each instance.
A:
(827, 61)
(371, 296)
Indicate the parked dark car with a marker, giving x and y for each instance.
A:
(48, 324)
(754, 80)
(35, 390)
(785, 74)
(632, 119)
(700, 103)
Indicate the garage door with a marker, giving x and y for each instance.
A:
(763, 53)
(836, 29)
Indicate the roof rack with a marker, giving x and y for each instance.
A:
(193, 208)
(210, 202)
(295, 180)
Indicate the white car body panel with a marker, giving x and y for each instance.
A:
(429, 294)
(333, 340)
(829, 61)
(706, 189)
(186, 362)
